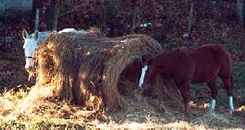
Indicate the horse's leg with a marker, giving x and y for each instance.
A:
(149, 80)
(228, 86)
(142, 75)
(214, 93)
(226, 75)
(185, 92)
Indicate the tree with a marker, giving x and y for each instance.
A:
(52, 15)
(190, 18)
(240, 10)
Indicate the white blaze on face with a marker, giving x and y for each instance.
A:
(29, 48)
(142, 76)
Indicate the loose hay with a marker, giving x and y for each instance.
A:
(84, 66)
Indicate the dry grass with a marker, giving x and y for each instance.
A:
(140, 114)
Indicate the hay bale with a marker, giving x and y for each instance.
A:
(85, 66)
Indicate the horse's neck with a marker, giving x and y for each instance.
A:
(42, 36)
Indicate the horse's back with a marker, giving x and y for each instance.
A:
(211, 60)
(219, 54)
(224, 59)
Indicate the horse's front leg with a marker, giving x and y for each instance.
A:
(184, 88)
(149, 80)
(142, 75)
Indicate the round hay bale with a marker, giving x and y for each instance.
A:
(85, 68)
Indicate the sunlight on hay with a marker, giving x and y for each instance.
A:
(242, 108)
(12, 106)
(181, 125)
(5, 105)
(178, 125)
(9, 101)
(130, 125)
(36, 93)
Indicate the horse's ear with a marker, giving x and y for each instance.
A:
(24, 34)
(36, 35)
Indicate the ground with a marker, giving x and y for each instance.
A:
(139, 112)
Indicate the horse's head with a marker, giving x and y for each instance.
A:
(31, 42)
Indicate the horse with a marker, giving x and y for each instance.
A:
(32, 41)
(193, 65)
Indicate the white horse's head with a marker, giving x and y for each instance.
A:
(31, 42)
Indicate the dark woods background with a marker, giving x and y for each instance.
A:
(172, 22)
(170, 19)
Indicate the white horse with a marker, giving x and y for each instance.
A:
(31, 42)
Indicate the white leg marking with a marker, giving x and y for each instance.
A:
(231, 104)
(142, 76)
(28, 63)
(212, 105)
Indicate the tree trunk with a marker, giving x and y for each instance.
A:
(190, 18)
(52, 16)
(240, 10)
(111, 9)
(188, 38)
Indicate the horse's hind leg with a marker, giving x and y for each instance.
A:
(228, 86)
(226, 75)
(214, 93)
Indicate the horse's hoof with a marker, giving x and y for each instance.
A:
(210, 111)
(231, 112)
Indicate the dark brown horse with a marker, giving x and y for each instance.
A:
(194, 65)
